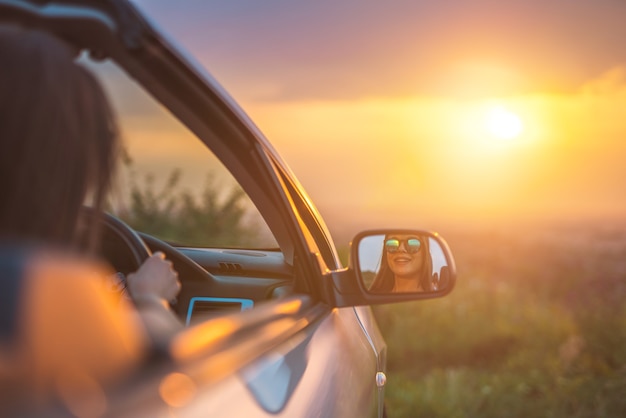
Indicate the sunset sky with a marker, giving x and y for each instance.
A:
(382, 109)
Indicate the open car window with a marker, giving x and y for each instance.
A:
(168, 183)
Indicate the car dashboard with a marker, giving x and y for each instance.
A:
(243, 278)
(217, 281)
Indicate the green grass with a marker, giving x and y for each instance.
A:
(536, 327)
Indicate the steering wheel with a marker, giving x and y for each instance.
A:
(116, 234)
(126, 250)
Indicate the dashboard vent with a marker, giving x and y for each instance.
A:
(230, 267)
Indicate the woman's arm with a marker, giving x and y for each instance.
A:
(150, 288)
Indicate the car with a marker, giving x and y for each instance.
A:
(274, 324)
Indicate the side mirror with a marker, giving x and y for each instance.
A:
(394, 265)
(402, 262)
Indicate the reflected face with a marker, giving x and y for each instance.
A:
(404, 255)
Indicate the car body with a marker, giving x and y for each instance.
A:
(298, 337)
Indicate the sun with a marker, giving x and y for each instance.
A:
(503, 124)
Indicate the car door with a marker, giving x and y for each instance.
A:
(294, 355)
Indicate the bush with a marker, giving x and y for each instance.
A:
(535, 327)
(216, 217)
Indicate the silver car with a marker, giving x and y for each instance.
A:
(274, 325)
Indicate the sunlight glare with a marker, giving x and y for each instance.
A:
(503, 124)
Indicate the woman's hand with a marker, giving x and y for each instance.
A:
(156, 280)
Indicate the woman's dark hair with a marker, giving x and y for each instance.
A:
(58, 138)
(384, 280)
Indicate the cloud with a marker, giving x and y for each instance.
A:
(610, 82)
(329, 50)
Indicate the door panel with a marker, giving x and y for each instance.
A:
(327, 370)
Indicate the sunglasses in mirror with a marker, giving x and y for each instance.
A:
(411, 245)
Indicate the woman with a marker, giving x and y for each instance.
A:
(406, 265)
(59, 144)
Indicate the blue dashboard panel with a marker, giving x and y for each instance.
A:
(217, 304)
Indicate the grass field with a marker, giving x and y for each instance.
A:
(536, 327)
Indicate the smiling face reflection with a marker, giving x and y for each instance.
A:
(405, 264)
(405, 257)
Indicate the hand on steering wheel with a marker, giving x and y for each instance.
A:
(155, 280)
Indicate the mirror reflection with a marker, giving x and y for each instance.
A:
(402, 263)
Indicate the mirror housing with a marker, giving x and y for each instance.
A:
(394, 265)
